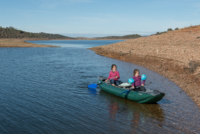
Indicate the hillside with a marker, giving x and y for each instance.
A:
(174, 54)
(10, 32)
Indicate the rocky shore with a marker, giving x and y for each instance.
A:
(175, 55)
(20, 43)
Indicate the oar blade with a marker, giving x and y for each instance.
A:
(92, 86)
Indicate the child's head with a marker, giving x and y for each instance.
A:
(113, 67)
(136, 73)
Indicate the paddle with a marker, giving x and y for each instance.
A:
(94, 86)
(132, 89)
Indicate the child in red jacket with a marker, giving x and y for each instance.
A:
(113, 75)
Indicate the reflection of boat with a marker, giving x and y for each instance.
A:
(149, 96)
(123, 106)
(92, 91)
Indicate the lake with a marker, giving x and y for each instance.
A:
(44, 90)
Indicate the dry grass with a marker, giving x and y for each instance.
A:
(175, 55)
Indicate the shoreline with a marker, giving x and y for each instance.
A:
(179, 62)
(19, 43)
(168, 68)
(77, 38)
(13, 42)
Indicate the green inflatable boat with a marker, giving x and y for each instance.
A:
(148, 96)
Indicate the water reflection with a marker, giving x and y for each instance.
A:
(134, 114)
(92, 91)
(75, 43)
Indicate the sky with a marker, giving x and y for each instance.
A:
(97, 18)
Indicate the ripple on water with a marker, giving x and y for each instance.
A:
(44, 90)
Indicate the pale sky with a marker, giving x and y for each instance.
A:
(92, 18)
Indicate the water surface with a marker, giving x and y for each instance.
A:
(44, 90)
(76, 43)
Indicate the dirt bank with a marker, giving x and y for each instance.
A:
(19, 43)
(175, 55)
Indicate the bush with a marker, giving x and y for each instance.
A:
(193, 65)
(169, 29)
(176, 28)
(20, 31)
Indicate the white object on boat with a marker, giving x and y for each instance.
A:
(125, 84)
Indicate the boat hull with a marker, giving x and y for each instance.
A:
(139, 97)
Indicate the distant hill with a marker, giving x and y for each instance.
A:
(11, 32)
(132, 36)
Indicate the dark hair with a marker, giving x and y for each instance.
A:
(135, 71)
(113, 66)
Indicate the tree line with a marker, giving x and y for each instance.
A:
(11, 32)
(169, 29)
(132, 36)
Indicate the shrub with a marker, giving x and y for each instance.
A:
(20, 31)
(169, 29)
(193, 65)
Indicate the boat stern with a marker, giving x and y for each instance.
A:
(153, 99)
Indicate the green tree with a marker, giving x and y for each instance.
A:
(169, 29)
(20, 31)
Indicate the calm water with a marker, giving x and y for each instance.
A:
(44, 90)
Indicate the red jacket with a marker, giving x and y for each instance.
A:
(113, 74)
